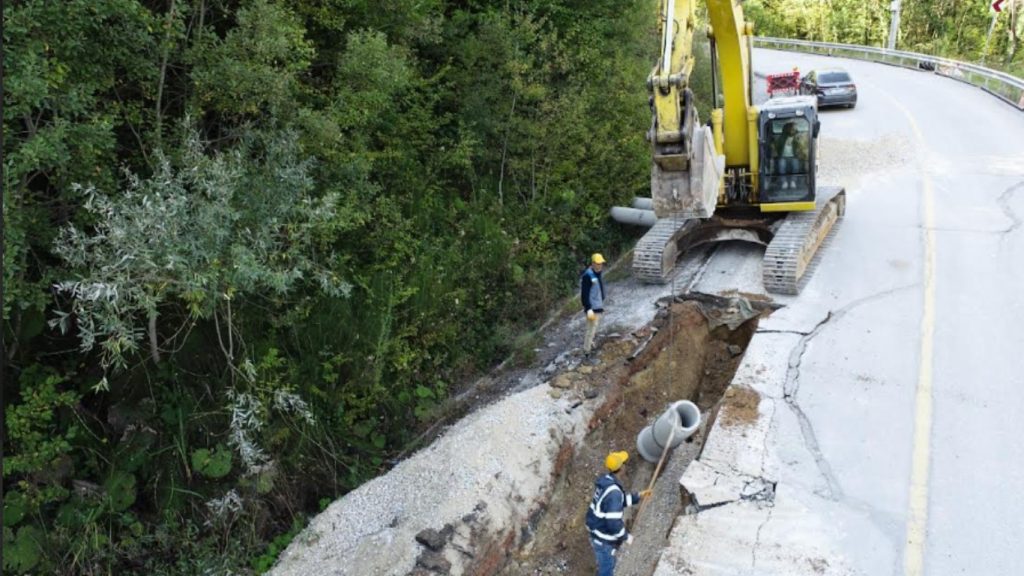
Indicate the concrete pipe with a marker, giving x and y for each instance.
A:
(647, 446)
(678, 422)
(663, 427)
(689, 418)
(643, 203)
(634, 216)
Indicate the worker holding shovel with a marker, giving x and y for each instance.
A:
(604, 518)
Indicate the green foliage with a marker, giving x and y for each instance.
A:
(196, 233)
(39, 438)
(69, 66)
(266, 560)
(16, 506)
(215, 464)
(23, 550)
(120, 490)
(968, 31)
(293, 227)
(256, 69)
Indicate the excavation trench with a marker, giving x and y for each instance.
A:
(679, 356)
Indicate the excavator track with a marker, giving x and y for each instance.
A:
(797, 240)
(655, 254)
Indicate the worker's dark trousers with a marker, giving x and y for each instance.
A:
(605, 555)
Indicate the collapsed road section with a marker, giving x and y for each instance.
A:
(505, 490)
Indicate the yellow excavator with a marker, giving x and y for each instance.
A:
(748, 176)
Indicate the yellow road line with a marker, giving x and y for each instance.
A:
(917, 513)
(917, 510)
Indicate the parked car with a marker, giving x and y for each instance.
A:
(832, 86)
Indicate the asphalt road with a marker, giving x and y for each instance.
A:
(898, 432)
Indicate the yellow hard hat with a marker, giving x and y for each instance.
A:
(597, 258)
(615, 460)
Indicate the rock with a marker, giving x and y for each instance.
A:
(585, 369)
(590, 393)
(434, 561)
(735, 350)
(447, 531)
(561, 381)
(431, 539)
(555, 393)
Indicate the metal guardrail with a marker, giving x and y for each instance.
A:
(1006, 87)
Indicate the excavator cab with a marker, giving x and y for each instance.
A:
(787, 142)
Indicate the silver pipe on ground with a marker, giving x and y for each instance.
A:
(634, 216)
(677, 423)
(643, 203)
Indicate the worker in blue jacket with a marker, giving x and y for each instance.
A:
(592, 296)
(604, 517)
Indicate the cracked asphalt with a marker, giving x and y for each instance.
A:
(883, 367)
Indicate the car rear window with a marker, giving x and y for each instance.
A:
(829, 77)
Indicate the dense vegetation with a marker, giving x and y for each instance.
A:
(958, 29)
(250, 245)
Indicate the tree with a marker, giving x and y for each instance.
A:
(199, 232)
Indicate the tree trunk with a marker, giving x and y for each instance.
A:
(504, 151)
(154, 348)
(163, 75)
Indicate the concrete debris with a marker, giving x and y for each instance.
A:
(705, 487)
(733, 315)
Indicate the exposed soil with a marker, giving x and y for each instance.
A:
(739, 407)
(677, 357)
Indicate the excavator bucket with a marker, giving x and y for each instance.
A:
(691, 193)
